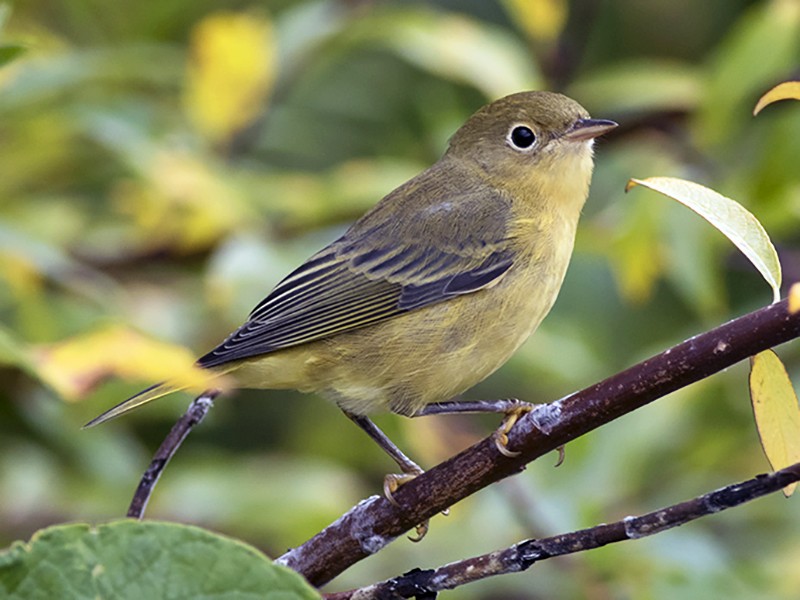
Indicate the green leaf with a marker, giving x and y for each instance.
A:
(130, 559)
(9, 52)
(730, 217)
(761, 48)
(775, 409)
(640, 86)
(455, 47)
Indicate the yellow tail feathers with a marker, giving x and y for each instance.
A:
(152, 393)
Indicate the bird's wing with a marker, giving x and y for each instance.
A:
(385, 265)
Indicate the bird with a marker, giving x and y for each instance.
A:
(436, 286)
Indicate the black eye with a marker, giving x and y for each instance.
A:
(522, 137)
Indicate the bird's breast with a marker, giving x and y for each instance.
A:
(428, 354)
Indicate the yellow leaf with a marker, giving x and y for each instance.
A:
(788, 90)
(794, 298)
(181, 202)
(74, 367)
(21, 275)
(776, 412)
(542, 20)
(230, 73)
(729, 217)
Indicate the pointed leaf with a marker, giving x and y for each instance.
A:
(788, 90)
(730, 217)
(775, 409)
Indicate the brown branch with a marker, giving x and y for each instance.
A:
(522, 556)
(373, 523)
(194, 414)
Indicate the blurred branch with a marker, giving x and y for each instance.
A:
(522, 556)
(562, 61)
(375, 522)
(194, 415)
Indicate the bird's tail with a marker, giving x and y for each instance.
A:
(148, 395)
(214, 381)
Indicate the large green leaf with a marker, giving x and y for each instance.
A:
(130, 559)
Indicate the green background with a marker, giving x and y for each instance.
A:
(96, 230)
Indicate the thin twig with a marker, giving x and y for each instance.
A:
(194, 414)
(375, 522)
(522, 556)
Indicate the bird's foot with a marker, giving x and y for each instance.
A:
(516, 409)
(391, 483)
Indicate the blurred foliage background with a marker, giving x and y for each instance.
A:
(164, 163)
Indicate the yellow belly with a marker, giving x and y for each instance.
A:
(424, 356)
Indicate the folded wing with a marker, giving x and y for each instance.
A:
(380, 268)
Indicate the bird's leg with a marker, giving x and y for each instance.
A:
(408, 466)
(511, 407)
(393, 480)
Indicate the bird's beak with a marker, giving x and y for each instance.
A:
(588, 129)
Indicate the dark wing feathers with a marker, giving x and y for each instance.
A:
(300, 286)
(415, 296)
(373, 273)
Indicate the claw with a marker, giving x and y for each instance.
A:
(561, 456)
(391, 483)
(501, 443)
(500, 436)
(422, 531)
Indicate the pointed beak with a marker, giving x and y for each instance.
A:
(588, 129)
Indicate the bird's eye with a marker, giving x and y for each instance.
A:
(522, 137)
